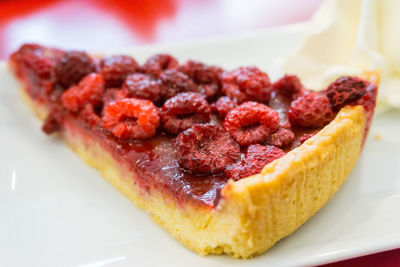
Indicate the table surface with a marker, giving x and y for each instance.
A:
(109, 24)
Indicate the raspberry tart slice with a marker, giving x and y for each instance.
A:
(226, 161)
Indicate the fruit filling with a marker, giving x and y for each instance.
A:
(183, 129)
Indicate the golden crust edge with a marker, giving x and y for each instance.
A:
(290, 190)
(255, 212)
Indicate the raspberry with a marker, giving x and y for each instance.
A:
(50, 125)
(281, 138)
(142, 86)
(88, 116)
(159, 63)
(113, 94)
(305, 137)
(288, 85)
(247, 84)
(37, 64)
(251, 123)
(206, 148)
(89, 90)
(183, 111)
(41, 67)
(131, 118)
(311, 109)
(345, 90)
(174, 82)
(115, 69)
(72, 67)
(257, 156)
(223, 105)
(208, 91)
(208, 78)
(368, 102)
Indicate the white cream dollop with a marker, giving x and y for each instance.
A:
(346, 37)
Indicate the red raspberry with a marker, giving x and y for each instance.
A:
(131, 118)
(89, 90)
(174, 82)
(223, 105)
(183, 111)
(142, 86)
(41, 67)
(159, 63)
(73, 66)
(208, 78)
(208, 91)
(113, 94)
(288, 85)
(37, 64)
(115, 69)
(305, 137)
(50, 125)
(368, 102)
(257, 156)
(206, 148)
(311, 109)
(251, 123)
(281, 138)
(247, 84)
(89, 116)
(345, 90)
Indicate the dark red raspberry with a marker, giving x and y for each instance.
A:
(142, 86)
(251, 123)
(159, 63)
(131, 118)
(115, 69)
(206, 148)
(305, 137)
(174, 82)
(42, 67)
(73, 66)
(37, 64)
(247, 84)
(257, 156)
(310, 109)
(89, 90)
(50, 125)
(345, 90)
(223, 105)
(288, 85)
(369, 99)
(208, 78)
(183, 111)
(113, 94)
(88, 116)
(368, 102)
(208, 91)
(281, 138)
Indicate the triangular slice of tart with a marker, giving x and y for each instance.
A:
(226, 161)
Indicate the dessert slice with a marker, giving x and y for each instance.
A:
(225, 161)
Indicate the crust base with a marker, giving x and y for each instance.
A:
(254, 213)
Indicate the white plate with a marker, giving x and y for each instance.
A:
(57, 211)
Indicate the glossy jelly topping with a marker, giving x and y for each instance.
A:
(185, 130)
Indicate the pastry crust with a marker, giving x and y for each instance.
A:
(253, 213)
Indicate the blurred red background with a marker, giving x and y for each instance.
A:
(111, 24)
(98, 25)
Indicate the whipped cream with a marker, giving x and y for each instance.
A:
(347, 37)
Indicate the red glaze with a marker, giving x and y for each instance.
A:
(154, 159)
